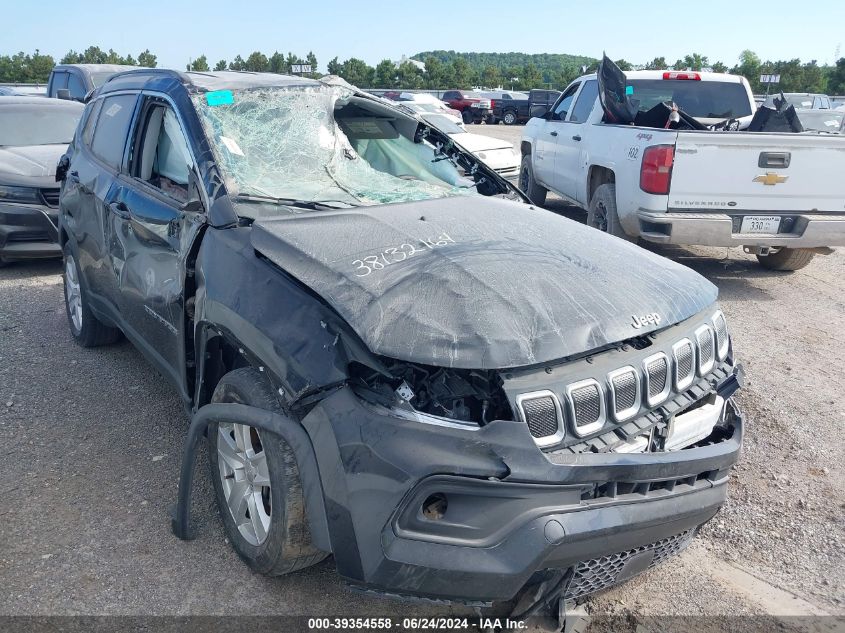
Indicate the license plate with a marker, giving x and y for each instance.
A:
(760, 224)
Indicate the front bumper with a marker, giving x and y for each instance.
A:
(805, 230)
(512, 510)
(28, 232)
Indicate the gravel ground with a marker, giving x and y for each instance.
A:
(91, 443)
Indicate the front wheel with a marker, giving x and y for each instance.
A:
(535, 192)
(787, 259)
(257, 483)
(509, 118)
(602, 213)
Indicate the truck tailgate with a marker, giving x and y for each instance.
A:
(747, 171)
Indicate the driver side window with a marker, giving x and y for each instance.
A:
(563, 106)
(163, 159)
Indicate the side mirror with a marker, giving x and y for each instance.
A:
(541, 111)
(63, 93)
(62, 167)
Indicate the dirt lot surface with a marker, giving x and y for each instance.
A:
(91, 445)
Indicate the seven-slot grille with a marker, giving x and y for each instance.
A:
(541, 416)
(683, 353)
(656, 372)
(623, 393)
(706, 357)
(720, 325)
(586, 406)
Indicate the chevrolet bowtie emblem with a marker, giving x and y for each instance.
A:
(770, 178)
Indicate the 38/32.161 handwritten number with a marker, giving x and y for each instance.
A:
(394, 255)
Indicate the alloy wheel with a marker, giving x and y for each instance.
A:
(73, 292)
(245, 478)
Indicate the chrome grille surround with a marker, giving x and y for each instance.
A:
(705, 346)
(720, 327)
(619, 384)
(523, 405)
(585, 405)
(683, 355)
(657, 379)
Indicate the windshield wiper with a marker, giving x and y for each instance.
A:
(315, 205)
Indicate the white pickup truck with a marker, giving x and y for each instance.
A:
(779, 195)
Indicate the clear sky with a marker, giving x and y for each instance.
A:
(634, 30)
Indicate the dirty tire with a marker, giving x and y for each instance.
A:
(509, 118)
(287, 546)
(87, 330)
(602, 214)
(535, 192)
(466, 115)
(787, 259)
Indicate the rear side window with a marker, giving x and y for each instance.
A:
(585, 102)
(112, 126)
(59, 82)
(90, 122)
(76, 87)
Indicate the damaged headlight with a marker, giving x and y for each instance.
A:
(455, 394)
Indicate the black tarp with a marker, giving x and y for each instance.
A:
(779, 117)
(478, 282)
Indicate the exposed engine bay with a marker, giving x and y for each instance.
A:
(457, 394)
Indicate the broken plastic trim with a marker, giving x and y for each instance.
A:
(289, 430)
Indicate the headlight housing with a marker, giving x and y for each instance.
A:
(20, 195)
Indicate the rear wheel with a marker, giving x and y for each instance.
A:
(466, 115)
(87, 329)
(535, 192)
(509, 118)
(787, 259)
(602, 214)
(257, 483)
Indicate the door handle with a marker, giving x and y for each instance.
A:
(553, 133)
(120, 209)
(576, 138)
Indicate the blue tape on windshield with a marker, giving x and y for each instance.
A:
(219, 97)
(629, 90)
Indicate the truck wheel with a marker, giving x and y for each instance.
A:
(86, 329)
(509, 118)
(602, 213)
(257, 484)
(536, 193)
(466, 115)
(491, 120)
(787, 259)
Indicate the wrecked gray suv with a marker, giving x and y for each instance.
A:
(393, 358)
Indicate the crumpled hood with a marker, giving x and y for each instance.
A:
(33, 165)
(478, 282)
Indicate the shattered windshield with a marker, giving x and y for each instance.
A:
(322, 144)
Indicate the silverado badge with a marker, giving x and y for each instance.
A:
(770, 178)
(645, 319)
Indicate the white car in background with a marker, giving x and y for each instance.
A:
(496, 153)
(424, 103)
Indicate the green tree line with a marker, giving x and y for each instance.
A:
(450, 69)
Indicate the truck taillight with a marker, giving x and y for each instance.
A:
(673, 74)
(656, 169)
